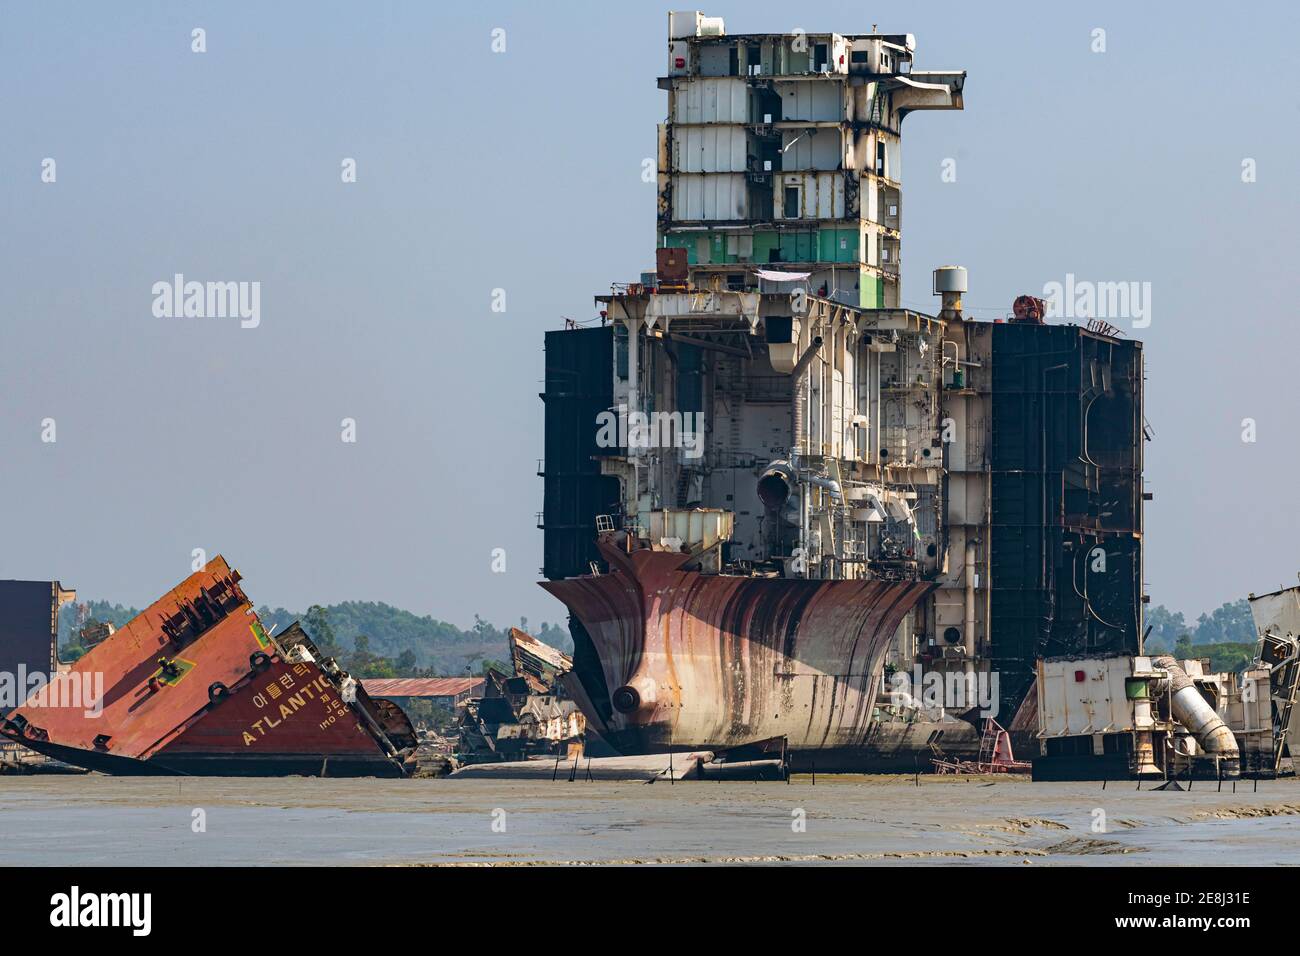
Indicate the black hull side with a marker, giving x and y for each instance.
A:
(222, 765)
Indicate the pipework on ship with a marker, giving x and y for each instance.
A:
(774, 494)
(797, 523)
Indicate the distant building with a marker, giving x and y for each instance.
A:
(29, 626)
(443, 691)
(96, 632)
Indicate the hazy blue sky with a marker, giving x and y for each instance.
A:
(521, 170)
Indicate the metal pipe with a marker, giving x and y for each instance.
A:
(800, 398)
(876, 437)
(969, 575)
(824, 374)
(1195, 713)
(710, 346)
(633, 368)
(807, 356)
(827, 484)
(633, 504)
(968, 628)
(775, 484)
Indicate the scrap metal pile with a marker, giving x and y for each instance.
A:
(524, 715)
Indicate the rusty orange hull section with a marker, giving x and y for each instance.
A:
(226, 701)
(677, 659)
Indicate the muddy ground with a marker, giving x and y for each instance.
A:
(844, 820)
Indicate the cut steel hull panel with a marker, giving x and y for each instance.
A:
(227, 700)
(282, 715)
(712, 661)
(266, 764)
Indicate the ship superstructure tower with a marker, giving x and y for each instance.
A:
(784, 151)
(769, 485)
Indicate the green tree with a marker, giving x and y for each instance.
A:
(1227, 657)
(1166, 626)
(1229, 623)
(373, 667)
(486, 664)
(317, 624)
(558, 637)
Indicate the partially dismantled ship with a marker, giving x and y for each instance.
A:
(195, 685)
(780, 504)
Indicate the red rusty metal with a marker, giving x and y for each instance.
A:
(425, 686)
(1029, 310)
(671, 267)
(715, 661)
(195, 685)
(996, 755)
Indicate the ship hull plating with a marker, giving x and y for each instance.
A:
(222, 765)
(194, 685)
(673, 659)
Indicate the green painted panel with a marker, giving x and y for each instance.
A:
(764, 243)
(871, 293)
(798, 247)
(824, 245)
(837, 245)
(689, 241)
(681, 241)
(720, 254)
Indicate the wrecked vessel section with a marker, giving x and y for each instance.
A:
(195, 685)
(769, 483)
(722, 661)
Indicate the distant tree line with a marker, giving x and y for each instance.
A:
(370, 639)
(373, 639)
(1230, 623)
(1226, 635)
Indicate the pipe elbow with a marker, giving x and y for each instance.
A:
(1221, 741)
(1195, 713)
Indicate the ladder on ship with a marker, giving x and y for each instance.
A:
(989, 743)
(1288, 668)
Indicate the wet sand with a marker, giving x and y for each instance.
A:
(849, 820)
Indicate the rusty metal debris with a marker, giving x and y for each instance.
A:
(1029, 309)
(196, 685)
(524, 715)
(996, 755)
